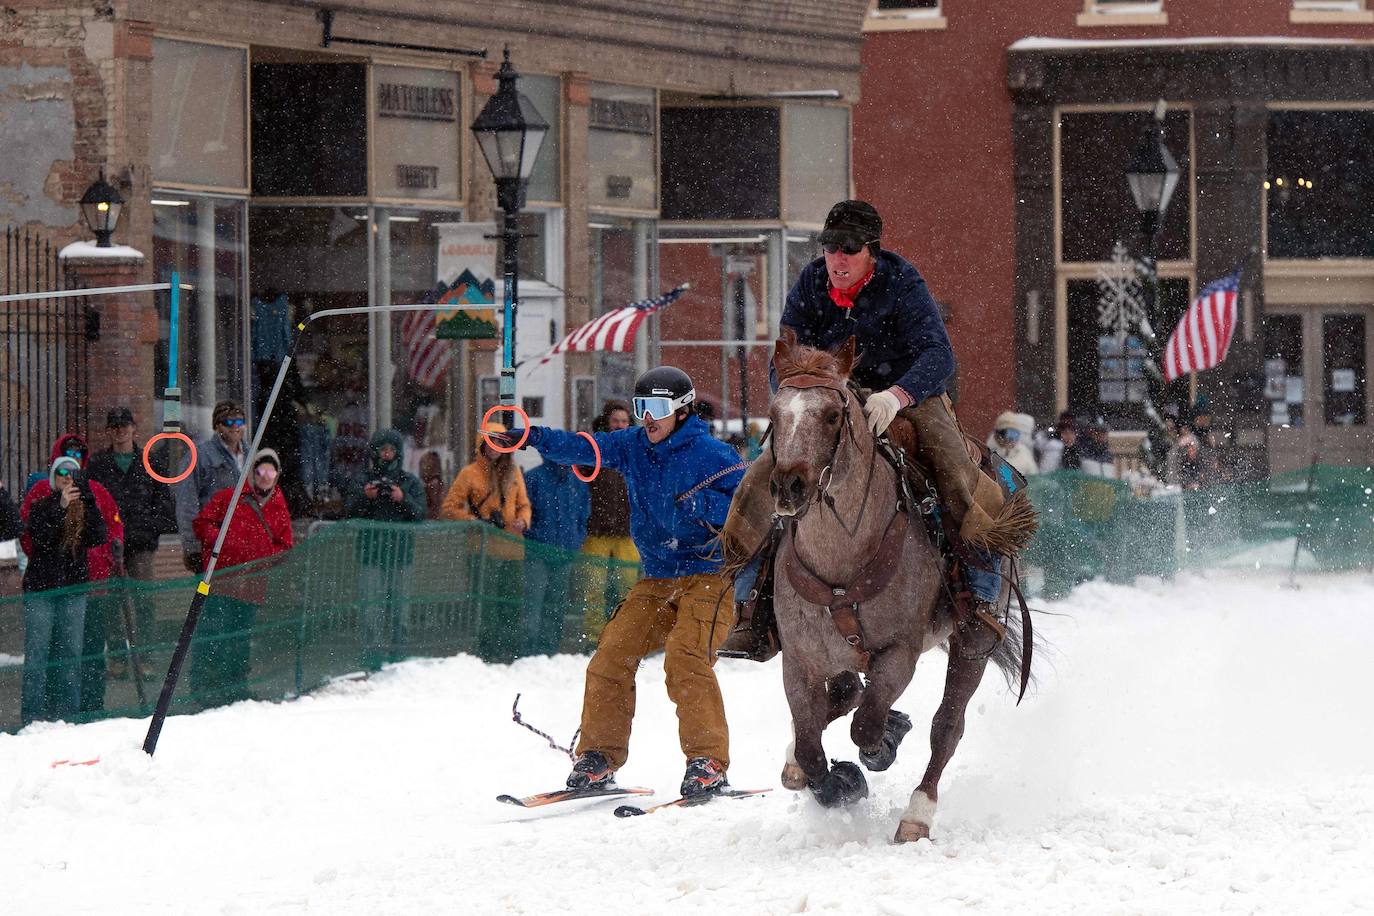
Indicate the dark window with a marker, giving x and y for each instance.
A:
(1283, 381)
(1107, 373)
(908, 4)
(1319, 182)
(309, 130)
(1343, 369)
(720, 163)
(1098, 210)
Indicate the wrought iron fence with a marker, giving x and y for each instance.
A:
(44, 354)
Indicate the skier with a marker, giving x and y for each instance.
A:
(859, 289)
(680, 481)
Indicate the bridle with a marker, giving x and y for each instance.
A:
(802, 383)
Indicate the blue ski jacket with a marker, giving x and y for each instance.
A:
(673, 518)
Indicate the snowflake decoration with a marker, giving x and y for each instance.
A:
(1121, 302)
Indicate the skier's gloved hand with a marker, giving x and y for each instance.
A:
(511, 437)
(880, 409)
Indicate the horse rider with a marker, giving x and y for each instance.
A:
(862, 290)
(680, 481)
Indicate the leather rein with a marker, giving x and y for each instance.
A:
(841, 602)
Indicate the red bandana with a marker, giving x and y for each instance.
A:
(844, 298)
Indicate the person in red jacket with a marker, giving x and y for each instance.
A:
(221, 654)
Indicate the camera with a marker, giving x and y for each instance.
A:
(383, 484)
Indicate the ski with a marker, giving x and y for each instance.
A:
(687, 801)
(563, 795)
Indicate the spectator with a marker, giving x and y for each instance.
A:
(219, 462)
(1010, 439)
(1189, 464)
(1051, 446)
(608, 535)
(261, 527)
(147, 509)
(11, 526)
(492, 489)
(1092, 454)
(103, 561)
(384, 493)
(432, 477)
(560, 504)
(63, 525)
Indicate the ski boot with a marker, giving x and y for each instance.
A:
(591, 771)
(704, 776)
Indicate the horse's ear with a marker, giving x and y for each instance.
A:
(847, 356)
(782, 350)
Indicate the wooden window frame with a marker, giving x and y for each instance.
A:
(904, 20)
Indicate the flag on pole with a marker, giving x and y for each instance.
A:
(427, 358)
(615, 330)
(1204, 332)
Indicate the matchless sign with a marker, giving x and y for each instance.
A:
(424, 103)
(416, 133)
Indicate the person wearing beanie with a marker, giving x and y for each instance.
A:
(260, 528)
(62, 525)
(219, 461)
(384, 492)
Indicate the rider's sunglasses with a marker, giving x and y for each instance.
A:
(849, 246)
(234, 423)
(656, 408)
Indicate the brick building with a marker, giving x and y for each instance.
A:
(278, 176)
(998, 160)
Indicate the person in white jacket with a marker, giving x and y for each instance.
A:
(1010, 438)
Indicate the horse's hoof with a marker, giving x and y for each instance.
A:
(898, 724)
(911, 831)
(792, 777)
(843, 785)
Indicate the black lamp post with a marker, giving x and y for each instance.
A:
(100, 206)
(509, 132)
(1153, 176)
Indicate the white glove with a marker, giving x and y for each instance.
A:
(880, 409)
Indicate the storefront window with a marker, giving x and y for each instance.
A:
(1096, 203)
(309, 129)
(721, 163)
(416, 132)
(1320, 179)
(197, 136)
(622, 148)
(1283, 369)
(817, 149)
(201, 239)
(305, 259)
(545, 93)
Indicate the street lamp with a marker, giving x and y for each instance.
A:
(100, 206)
(509, 132)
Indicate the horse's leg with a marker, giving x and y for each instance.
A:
(877, 728)
(843, 692)
(962, 678)
(808, 701)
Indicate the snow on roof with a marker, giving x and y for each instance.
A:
(91, 250)
(1036, 43)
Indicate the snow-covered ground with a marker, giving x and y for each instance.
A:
(1199, 747)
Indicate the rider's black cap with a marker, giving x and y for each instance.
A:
(852, 219)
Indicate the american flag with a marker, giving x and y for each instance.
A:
(616, 329)
(1204, 332)
(427, 358)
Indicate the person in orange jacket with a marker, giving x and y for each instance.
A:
(492, 489)
(261, 527)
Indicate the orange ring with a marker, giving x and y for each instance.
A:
(184, 474)
(487, 438)
(596, 450)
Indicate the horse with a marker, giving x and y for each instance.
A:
(859, 589)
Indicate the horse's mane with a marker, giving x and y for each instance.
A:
(799, 359)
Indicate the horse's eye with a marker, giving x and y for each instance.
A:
(833, 417)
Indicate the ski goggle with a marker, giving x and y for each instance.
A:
(661, 408)
(849, 246)
(1011, 435)
(64, 472)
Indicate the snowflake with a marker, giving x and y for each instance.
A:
(1121, 303)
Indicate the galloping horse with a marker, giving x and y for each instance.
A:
(859, 590)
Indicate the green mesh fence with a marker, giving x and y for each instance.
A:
(1092, 527)
(349, 599)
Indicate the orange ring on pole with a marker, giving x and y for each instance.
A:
(487, 438)
(184, 474)
(596, 450)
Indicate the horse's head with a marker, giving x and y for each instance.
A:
(810, 413)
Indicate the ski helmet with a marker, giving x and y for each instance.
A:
(661, 392)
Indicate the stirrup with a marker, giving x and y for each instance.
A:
(978, 614)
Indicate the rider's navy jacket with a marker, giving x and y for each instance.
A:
(673, 532)
(901, 337)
